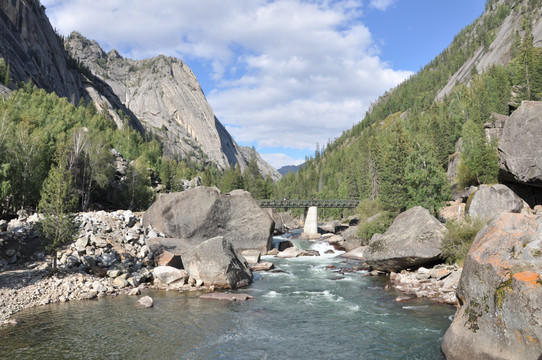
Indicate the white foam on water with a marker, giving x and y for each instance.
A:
(413, 307)
(353, 308)
(272, 294)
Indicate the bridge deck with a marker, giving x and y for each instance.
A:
(342, 204)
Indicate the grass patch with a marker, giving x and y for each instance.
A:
(458, 239)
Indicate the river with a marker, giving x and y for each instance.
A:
(304, 310)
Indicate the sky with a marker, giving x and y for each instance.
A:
(283, 76)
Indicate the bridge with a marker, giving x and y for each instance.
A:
(341, 204)
(310, 228)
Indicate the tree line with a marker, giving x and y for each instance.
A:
(39, 131)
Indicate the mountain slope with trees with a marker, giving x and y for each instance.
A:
(399, 153)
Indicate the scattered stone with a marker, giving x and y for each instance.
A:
(169, 274)
(120, 282)
(146, 301)
(166, 258)
(113, 273)
(273, 252)
(251, 256)
(226, 296)
(284, 244)
(290, 252)
(264, 266)
(135, 292)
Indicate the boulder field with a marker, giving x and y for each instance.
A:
(115, 254)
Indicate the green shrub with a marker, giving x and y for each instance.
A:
(378, 224)
(458, 239)
(368, 208)
(373, 219)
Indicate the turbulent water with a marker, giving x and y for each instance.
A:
(304, 311)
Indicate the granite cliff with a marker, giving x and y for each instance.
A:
(159, 95)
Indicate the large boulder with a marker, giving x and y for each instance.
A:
(520, 149)
(202, 213)
(491, 201)
(216, 263)
(412, 240)
(500, 293)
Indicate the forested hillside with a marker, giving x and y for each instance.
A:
(397, 156)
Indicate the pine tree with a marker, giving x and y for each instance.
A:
(392, 186)
(479, 163)
(427, 183)
(57, 202)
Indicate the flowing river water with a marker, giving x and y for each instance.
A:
(305, 310)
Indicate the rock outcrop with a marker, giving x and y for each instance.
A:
(34, 52)
(500, 292)
(412, 240)
(203, 213)
(215, 263)
(498, 52)
(520, 150)
(490, 201)
(165, 95)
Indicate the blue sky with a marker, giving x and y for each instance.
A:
(281, 75)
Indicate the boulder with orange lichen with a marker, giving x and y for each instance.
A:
(500, 293)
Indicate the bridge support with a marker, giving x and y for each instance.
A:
(310, 229)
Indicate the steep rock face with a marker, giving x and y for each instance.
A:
(34, 52)
(203, 213)
(520, 149)
(498, 52)
(500, 292)
(165, 95)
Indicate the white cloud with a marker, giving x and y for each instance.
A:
(381, 4)
(286, 72)
(278, 160)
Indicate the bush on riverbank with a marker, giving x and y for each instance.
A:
(373, 219)
(458, 239)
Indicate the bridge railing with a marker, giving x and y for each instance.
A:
(342, 204)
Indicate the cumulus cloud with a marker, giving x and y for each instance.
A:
(284, 73)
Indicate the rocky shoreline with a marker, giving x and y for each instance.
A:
(109, 258)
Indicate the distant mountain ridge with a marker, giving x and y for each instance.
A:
(159, 95)
(289, 168)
